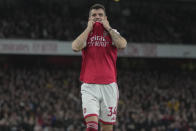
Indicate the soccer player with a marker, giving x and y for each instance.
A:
(99, 43)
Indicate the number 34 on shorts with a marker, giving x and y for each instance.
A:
(112, 112)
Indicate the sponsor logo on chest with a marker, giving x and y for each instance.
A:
(98, 41)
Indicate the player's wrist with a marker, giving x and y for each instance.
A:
(109, 29)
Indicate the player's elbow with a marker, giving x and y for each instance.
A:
(123, 44)
(74, 48)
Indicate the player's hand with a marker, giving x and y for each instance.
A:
(106, 24)
(90, 24)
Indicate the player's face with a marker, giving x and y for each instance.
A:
(97, 15)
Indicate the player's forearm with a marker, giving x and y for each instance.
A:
(80, 42)
(118, 40)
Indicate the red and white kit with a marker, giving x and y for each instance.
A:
(98, 74)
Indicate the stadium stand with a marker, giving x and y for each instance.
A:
(46, 97)
(154, 22)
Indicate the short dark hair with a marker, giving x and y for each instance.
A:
(97, 6)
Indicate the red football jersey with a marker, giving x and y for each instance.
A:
(99, 57)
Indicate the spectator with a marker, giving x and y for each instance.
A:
(139, 22)
(28, 103)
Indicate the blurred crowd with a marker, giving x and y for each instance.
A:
(48, 99)
(136, 21)
(39, 100)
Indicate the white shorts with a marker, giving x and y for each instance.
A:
(100, 100)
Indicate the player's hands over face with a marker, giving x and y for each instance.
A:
(106, 24)
(90, 24)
